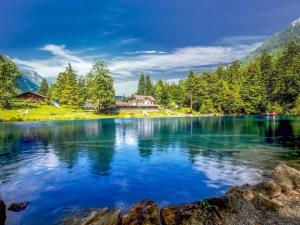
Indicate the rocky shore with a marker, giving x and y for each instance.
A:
(274, 201)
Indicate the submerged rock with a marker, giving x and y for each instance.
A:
(143, 213)
(18, 206)
(2, 212)
(96, 217)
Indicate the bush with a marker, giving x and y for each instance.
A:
(275, 107)
(296, 108)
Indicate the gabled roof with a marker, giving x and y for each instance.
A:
(30, 92)
(142, 97)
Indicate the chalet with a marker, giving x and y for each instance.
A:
(32, 97)
(138, 102)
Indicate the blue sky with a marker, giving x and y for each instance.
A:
(164, 38)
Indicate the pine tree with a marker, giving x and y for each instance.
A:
(253, 92)
(149, 89)
(44, 88)
(141, 85)
(266, 69)
(8, 81)
(82, 90)
(191, 86)
(161, 93)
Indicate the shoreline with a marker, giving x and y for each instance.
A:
(103, 117)
(276, 200)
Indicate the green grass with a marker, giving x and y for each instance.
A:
(21, 111)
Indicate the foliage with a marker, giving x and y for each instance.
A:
(267, 84)
(100, 89)
(207, 207)
(44, 88)
(8, 81)
(145, 86)
(66, 88)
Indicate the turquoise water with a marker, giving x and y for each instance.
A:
(63, 166)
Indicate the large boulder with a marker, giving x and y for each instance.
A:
(96, 217)
(185, 214)
(288, 178)
(2, 212)
(143, 213)
(263, 203)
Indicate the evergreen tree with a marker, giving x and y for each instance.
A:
(149, 89)
(266, 69)
(141, 85)
(82, 90)
(44, 88)
(253, 92)
(8, 81)
(161, 93)
(100, 89)
(66, 87)
(191, 86)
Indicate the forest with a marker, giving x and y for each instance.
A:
(267, 84)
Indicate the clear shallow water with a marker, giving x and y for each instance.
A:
(63, 166)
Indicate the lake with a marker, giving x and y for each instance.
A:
(63, 166)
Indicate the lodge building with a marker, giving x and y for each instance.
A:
(138, 102)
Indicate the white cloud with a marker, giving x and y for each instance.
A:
(226, 173)
(145, 52)
(60, 57)
(238, 40)
(125, 69)
(181, 58)
(127, 41)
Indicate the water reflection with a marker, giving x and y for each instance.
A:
(119, 162)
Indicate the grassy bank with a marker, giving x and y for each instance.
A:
(42, 112)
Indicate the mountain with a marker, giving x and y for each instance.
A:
(29, 80)
(277, 42)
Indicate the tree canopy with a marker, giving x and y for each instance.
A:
(267, 84)
(44, 88)
(100, 89)
(8, 81)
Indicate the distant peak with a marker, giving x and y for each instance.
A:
(296, 22)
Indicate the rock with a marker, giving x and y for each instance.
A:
(269, 188)
(143, 213)
(244, 191)
(288, 178)
(18, 206)
(2, 212)
(185, 214)
(96, 217)
(263, 203)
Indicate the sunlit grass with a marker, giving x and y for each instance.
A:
(21, 111)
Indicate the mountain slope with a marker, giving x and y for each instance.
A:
(29, 80)
(277, 42)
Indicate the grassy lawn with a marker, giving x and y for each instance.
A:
(42, 112)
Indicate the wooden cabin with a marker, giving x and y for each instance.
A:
(32, 97)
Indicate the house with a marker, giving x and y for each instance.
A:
(32, 97)
(138, 102)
